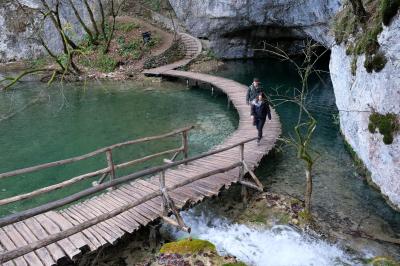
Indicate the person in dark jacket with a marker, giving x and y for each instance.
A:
(253, 90)
(259, 112)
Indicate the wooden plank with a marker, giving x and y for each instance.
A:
(109, 203)
(99, 230)
(59, 256)
(19, 241)
(146, 212)
(9, 245)
(180, 177)
(106, 228)
(8, 263)
(69, 248)
(43, 253)
(153, 203)
(97, 210)
(140, 218)
(182, 191)
(79, 240)
(149, 211)
(201, 184)
(92, 241)
(175, 196)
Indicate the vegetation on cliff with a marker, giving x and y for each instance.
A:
(359, 30)
(386, 124)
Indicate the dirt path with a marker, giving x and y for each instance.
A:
(166, 42)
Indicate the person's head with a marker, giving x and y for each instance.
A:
(261, 97)
(256, 82)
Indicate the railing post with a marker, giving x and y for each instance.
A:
(110, 164)
(212, 90)
(229, 103)
(164, 203)
(241, 173)
(185, 145)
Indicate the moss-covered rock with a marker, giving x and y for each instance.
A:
(382, 261)
(187, 246)
(192, 252)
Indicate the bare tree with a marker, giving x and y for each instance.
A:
(306, 123)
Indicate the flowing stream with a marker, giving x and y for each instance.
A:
(39, 124)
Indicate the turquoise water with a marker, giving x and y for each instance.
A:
(341, 196)
(40, 124)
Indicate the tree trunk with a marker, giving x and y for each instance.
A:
(91, 16)
(103, 20)
(84, 26)
(309, 187)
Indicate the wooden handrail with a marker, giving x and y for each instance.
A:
(82, 177)
(9, 255)
(91, 154)
(89, 191)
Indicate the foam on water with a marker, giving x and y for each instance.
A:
(280, 245)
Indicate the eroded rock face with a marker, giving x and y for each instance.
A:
(356, 96)
(19, 24)
(234, 27)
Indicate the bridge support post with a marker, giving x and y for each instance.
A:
(168, 204)
(185, 145)
(241, 174)
(110, 165)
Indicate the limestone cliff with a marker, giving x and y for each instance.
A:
(19, 24)
(235, 27)
(357, 95)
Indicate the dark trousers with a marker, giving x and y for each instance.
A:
(260, 124)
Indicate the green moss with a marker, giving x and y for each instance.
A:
(375, 62)
(305, 215)
(386, 124)
(382, 261)
(388, 9)
(362, 37)
(359, 164)
(235, 264)
(344, 25)
(187, 246)
(354, 65)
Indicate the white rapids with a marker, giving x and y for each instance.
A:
(278, 246)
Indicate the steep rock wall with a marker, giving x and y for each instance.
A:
(19, 22)
(233, 27)
(356, 96)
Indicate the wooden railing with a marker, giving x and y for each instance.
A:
(109, 170)
(167, 203)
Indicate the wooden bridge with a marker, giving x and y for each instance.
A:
(63, 230)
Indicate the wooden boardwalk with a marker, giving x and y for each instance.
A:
(109, 231)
